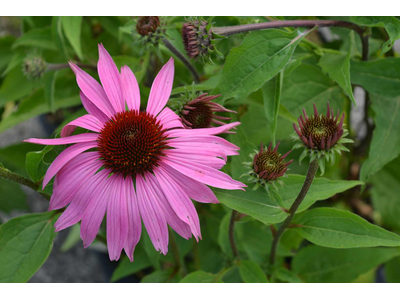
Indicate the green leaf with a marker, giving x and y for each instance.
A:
(49, 88)
(38, 38)
(385, 195)
(15, 86)
(392, 270)
(15, 61)
(286, 275)
(12, 197)
(261, 56)
(126, 267)
(381, 77)
(337, 66)
(223, 235)
(152, 254)
(253, 203)
(321, 189)
(319, 264)
(36, 167)
(251, 272)
(72, 29)
(272, 92)
(385, 144)
(58, 36)
(25, 244)
(159, 276)
(200, 277)
(6, 53)
(334, 228)
(13, 156)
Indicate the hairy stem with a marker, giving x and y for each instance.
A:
(232, 233)
(185, 61)
(312, 170)
(14, 177)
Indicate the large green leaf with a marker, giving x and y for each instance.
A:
(126, 267)
(385, 144)
(334, 228)
(38, 38)
(251, 272)
(160, 276)
(385, 195)
(272, 92)
(72, 29)
(25, 244)
(319, 264)
(200, 277)
(381, 77)
(261, 207)
(392, 270)
(261, 56)
(337, 66)
(13, 156)
(6, 53)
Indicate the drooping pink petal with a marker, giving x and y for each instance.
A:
(161, 88)
(79, 138)
(175, 143)
(92, 189)
(86, 121)
(134, 221)
(117, 219)
(130, 88)
(171, 217)
(194, 189)
(204, 174)
(72, 176)
(169, 119)
(179, 201)
(93, 212)
(93, 109)
(93, 90)
(209, 160)
(208, 140)
(201, 131)
(110, 79)
(152, 216)
(65, 157)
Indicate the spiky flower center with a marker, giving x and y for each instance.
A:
(131, 142)
(318, 128)
(267, 163)
(147, 25)
(201, 116)
(196, 38)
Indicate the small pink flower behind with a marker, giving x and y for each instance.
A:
(134, 165)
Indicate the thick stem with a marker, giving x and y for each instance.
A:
(230, 30)
(232, 233)
(185, 61)
(312, 170)
(11, 176)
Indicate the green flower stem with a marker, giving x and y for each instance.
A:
(312, 170)
(231, 30)
(11, 176)
(184, 60)
(179, 264)
(232, 233)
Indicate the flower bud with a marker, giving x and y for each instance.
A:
(147, 25)
(34, 67)
(321, 135)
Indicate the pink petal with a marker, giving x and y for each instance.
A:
(86, 121)
(72, 176)
(65, 157)
(194, 189)
(171, 217)
(130, 88)
(110, 79)
(152, 216)
(169, 119)
(79, 138)
(211, 161)
(209, 140)
(90, 190)
(204, 174)
(92, 109)
(161, 88)
(95, 209)
(201, 147)
(179, 201)
(93, 90)
(117, 219)
(134, 221)
(201, 131)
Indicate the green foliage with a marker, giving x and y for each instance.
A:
(25, 244)
(251, 272)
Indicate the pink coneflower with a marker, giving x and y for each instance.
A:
(136, 165)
